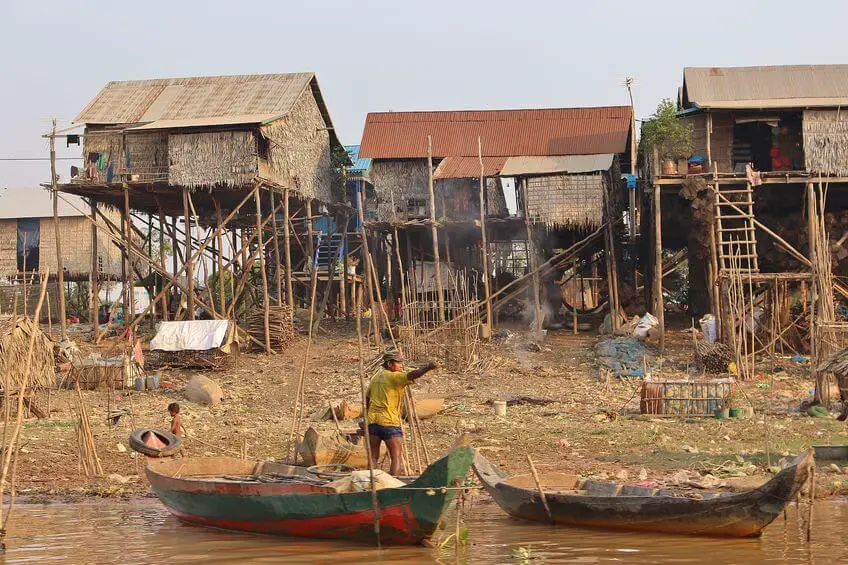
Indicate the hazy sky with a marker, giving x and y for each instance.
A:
(389, 55)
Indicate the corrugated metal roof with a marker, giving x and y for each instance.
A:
(467, 167)
(360, 164)
(558, 131)
(36, 202)
(194, 97)
(786, 86)
(557, 164)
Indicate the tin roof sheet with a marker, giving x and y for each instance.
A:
(360, 164)
(467, 167)
(535, 165)
(504, 133)
(784, 86)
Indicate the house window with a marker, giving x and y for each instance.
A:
(509, 257)
(416, 208)
(264, 147)
(771, 142)
(28, 244)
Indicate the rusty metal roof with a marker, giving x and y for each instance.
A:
(785, 86)
(467, 167)
(504, 133)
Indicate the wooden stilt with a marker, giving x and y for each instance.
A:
(261, 251)
(612, 264)
(366, 262)
(219, 235)
(484, 252)
(60, 267)
(812, 238)
(659, 306)
(434, 231)
(531, 251)
(124, 257)
(343, 278)
(278, 278)
(175, 259)
(188, 256)
(130, 281)
(95, 274)
(164, 302)
(287, 250)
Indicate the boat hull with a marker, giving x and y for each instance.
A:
(744, 514)
(408, 515)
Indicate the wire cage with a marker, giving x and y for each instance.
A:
(685, 397)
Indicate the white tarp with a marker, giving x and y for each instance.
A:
(197, 335)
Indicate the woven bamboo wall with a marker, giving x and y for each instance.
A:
(401, 179)
(148, 155)
(299, 150)
(76, 247)
(566, 201)
(212, 159)
(826, 141)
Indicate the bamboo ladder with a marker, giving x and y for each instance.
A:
(735, 229)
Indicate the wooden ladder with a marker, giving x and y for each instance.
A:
(737, 238)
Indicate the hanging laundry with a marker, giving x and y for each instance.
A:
(101, 162)
(110, 172)
(72, 139)
(93, 157)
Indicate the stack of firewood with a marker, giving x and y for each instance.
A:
(279, 322)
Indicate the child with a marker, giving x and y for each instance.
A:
(176, 424)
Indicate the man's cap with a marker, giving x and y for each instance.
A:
(391, 355)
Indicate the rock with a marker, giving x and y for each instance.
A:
(564, 443)
(689, 449)
(121, 448)
(679, 478)
(835, 468)
(203, 390)
(116, 478)
(643, 474)
(622, 475)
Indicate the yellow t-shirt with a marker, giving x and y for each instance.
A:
(385, 392)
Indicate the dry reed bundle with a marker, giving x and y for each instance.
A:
(89, 461)
(15, 335)
(280, 324)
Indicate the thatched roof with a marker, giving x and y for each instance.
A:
(201, 101)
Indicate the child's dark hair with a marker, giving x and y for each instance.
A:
(174, 407)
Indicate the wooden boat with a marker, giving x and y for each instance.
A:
(331, 448)
(607, 505)
(272, 498)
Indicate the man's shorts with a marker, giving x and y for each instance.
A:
(384, 432)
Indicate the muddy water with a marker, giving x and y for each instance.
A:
(144, 532)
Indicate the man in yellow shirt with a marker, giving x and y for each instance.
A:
(383, 405)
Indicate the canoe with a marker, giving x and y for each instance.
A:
(277, 499)
(608, 505)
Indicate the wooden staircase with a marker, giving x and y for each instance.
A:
(736, 237)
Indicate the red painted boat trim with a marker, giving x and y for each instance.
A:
(397, 525)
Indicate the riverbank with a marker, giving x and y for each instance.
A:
(579, 423)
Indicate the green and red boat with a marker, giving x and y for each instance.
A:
(272, 498)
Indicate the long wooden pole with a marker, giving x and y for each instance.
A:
(531, 252)
(95, 274)
(164, 303)
(375, 505)
(130, 281)
(812, 238)
(287, 250)
(261, 250)
(189, 259)
(60, 267)
(343, 280)
(659, 306)
(484, 252)
(222, 299)
(366, 261)
(278, 276)
(434, 231)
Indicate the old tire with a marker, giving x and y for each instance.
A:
(173, 444)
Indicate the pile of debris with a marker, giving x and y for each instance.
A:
(623, 356)
(279, 323)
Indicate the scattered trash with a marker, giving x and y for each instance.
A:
(623, 355)
(798, 358)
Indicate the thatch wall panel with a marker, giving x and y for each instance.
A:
(495, 199)
(566, 201)
(299, 150)
(401, 180)
(210, 159)
(826, 141)
(148, 155)
(76, 246)
(104, 141)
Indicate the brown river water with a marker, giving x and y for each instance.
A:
(142, 531)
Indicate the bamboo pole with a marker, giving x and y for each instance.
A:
(434, 231)
(189, 259)
(485, 244)
(95, 275)
(375, 506)
(277, 274)
(659, 306)
(531, 251)
(287, 249)
(261, 250)
(812, 238)
(219, 235)
(131, 274)
(401, 273)
(175, 258)
(343, 279)
(366, 261)
(162, 262)
(60, 268)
